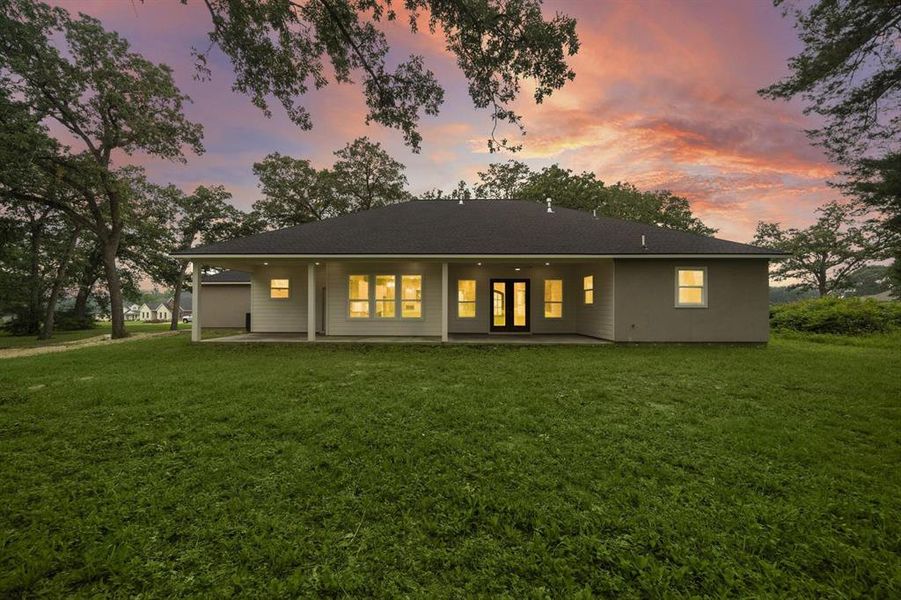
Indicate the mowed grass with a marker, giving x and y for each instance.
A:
(62, 337)
(160, 468)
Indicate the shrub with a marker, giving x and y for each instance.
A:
(843, 316)
(66, 320)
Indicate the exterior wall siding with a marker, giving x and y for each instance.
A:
(573, 307)
(225, 305)
(596, 319)
(268, 315)
(339, 323)
(737, 301)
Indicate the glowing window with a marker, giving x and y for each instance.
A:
(466, 298)
(553, 298)
(279, 288)
(385, 296)
(358, 296)
(411, 296)
(691, 287)
(588, 289)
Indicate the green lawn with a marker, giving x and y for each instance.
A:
(161, 468)
(61, 337)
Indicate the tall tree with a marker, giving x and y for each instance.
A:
(279, 49)
(203, 216)
(367, 177)
(827, 255)
(294, 192)
(849, 73)
(110, 100)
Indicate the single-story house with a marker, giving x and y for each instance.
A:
(444, 269)
(226, 299)
(149, 312)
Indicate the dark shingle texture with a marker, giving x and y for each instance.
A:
(477, 227)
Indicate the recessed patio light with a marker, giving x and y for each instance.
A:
(266, 264)
(479, 264)
(516, 268)
(547, 264)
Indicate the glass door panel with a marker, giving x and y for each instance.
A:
(510, 305)
(499, 304)
(519, 303)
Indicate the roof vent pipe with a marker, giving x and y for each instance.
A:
(460, 202)
(549, 209)
(594, 212)
(644, 245)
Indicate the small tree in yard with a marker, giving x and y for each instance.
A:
(827, 255)
(108, 99)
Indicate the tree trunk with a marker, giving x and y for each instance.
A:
(34, 299)
(47, 329)
(117, 317)
(86, 285)
(176, 296)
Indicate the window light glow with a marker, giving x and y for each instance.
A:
(411, 296)
(466, 298)
(553, 298)
(385, 296)
(358, 296)
(691, 287)
(279, 289)
(588, 289)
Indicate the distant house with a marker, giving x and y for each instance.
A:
(149, 312)
(132, 312)
(448, 270)
(184, 311)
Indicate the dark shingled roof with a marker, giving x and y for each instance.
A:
(477, 227)
(226, 277)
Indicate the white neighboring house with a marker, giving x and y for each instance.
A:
(149, 312)
(132, 312)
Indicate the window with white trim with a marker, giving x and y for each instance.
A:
(466, 298)
(691, 287)
(588, 289)
(385, 296)
(553, 298)
(279, 288)
(358, 296)
(411, 296)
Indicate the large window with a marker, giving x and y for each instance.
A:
(279, 288)
(411, 296)
(466, 298)
(381, 295)
(553, 298)
(358, 296)
(385, 296)
(691, 287)
(588, 289)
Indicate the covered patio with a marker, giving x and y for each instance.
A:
(454, 338)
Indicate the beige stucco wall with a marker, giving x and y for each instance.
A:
(737, 301)
(224, 305)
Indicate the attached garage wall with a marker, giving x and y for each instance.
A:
(224, 305)
(737, 301)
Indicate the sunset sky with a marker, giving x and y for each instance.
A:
(664, 97)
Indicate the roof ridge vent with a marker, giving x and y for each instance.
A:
(549, 209)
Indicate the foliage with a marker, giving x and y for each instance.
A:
(377, 471)
(368, 177)
(109, 100)
(67, 320)
(827, 254)
(840, 316)
(280, 48)
(364, 176)
(849, 72)
(583, 191)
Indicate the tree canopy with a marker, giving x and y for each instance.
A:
(72, 72)
(828, 255)
(581, 191)
(285, 48)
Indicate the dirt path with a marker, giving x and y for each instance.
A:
(100, 340)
